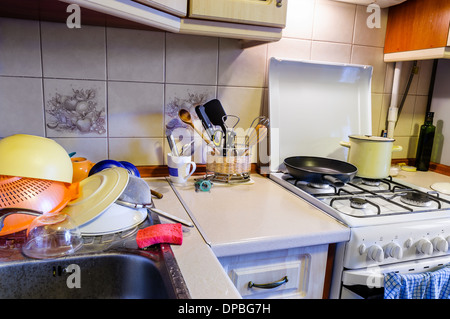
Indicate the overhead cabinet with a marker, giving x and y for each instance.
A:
(418, 30)
(258, 20)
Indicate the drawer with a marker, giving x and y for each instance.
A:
(272, 278)
(290, 273)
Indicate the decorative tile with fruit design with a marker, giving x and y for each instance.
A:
(75, 108)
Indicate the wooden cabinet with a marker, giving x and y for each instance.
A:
(258, 12)
(295, 273)
(417, 30)
(251, 20)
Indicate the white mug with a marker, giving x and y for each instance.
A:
(180, 168)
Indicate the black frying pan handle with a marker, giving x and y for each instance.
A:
(333, 180)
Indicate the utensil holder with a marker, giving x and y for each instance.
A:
(230, 162)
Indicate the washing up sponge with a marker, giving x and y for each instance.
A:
(160, 233)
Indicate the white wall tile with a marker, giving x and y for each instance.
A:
(135, 55)
(371, 56)
(139, 151)
(331, 52)
(135, 109)
(369, 36)
(73, 53)
(21, 106)
(241, 67)
(191, 59)
(333, 21)
(20, 49)
(299, 19)
(94, 149)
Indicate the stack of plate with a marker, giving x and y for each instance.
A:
(95, 212)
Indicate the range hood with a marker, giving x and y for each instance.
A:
(381, 3)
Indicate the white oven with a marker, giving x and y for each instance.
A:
(396, 228)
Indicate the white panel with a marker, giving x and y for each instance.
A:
(440, 105)
(314, 105)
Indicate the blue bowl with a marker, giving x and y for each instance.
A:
(132, 170)
(100, 166)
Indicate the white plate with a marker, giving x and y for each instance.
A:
(443, 188)
(115, 219)
(97, 193)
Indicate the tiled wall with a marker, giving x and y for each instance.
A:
(109, 93)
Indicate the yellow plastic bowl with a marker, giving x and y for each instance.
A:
(34, 157)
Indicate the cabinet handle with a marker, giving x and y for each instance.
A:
(279, 3)
(269, 285)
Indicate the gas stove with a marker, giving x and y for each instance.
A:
(364, 202)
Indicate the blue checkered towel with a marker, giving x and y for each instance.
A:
(427, 285)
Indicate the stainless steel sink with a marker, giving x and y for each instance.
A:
(120, 271)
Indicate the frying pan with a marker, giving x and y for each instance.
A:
(320, 170)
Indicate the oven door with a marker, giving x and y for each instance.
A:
(368, 283)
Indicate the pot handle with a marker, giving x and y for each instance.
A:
(397, 148)
(345, 144)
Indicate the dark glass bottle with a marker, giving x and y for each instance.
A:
(425, 144)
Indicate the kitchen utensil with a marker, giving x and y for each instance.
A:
(230, 122)
(81, 167)
(36, 194)
(185, 148)
(117, 218)
(371, 155)
(171, 141)
(180, 168)
(209, 128)
(52, 235)
(34, 157)
(97, 193)
(185, 116)
(320, 170)
(138, 195)
(216, 113)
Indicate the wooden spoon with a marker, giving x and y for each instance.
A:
(185, 116)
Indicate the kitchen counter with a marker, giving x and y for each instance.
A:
(422, 179)
(257, 216)
(239, 219)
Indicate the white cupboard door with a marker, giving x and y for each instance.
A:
(258, 12)
(175, 7)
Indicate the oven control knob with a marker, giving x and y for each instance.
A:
(375, 253)
(440, 244)
(424, 246)
(393, 250)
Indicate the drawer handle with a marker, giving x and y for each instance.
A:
(269, 285)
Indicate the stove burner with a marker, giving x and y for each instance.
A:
(416, 199)
(371, 182)
(319, 186)
(358, 202)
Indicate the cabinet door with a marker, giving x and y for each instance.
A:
(175, 7)
(258, 12)
(418, 25)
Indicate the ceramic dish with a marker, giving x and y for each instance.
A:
(97, 193)
(443, 188)
(115, 219)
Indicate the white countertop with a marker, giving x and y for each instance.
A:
(256, 217)
(238, 219)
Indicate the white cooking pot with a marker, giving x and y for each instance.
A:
(371, 155)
